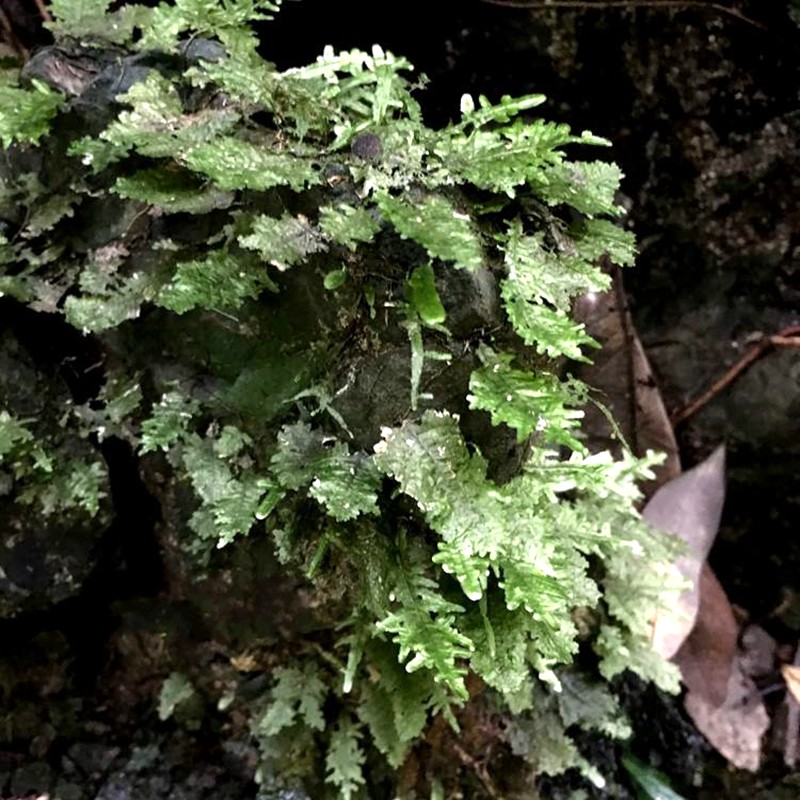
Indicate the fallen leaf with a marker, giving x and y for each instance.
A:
(706, 657)
(791, 674)
(689, 506)
(623, 382)
(791, 744)
(700, 632)
(736, 727)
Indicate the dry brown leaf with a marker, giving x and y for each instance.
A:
(791, 674)
(736, 727)
(700, 632)
(791, 744)
(706, 658)
(623, 383)
(689, 506)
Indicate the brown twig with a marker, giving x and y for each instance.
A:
(480, 772)
(626, 324)
(13, 40)
(788, 337)
(584, 5)
(44, 13)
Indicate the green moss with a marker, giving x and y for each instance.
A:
(442, 570)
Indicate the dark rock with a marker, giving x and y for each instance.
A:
(93, 758)
(44, 557)
(69, 791)
(33, 778)
(120, 787)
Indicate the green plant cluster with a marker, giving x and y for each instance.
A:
(299, 178)
(50, 480)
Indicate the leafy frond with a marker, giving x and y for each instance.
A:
(394, 704)
(423, 626)
(298, 694)
(168, 423)
(234, 163)
(525, 401)
(26, 114)
(433, 222)
(347, 225)
(173, 191)
(345, 484)
(90, 20)
(283, 242)
(345, 758)
(219, 280)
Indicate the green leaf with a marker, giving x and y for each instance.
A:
(13, 433)
(393, 703)
(652, 782)
(220, 280)
(621, 650)
(26, 114)
(432, 464)
(298, 693)
(590, 704)
(175, 690)
(590, 187)
(347, 225)
(283, 242)
(435, 223)
(539, 737)
(598, 237)
(502, 112)
(501, 639)
(76, 16)
(157, 126)
(422, 294)
(525, 401)
(168, 423)
(236, 164)
(345, 484)
(75, 484)
(552, 277)
(423, 627)
(109, 296)
(334, 279)
(344, 759)
(175, 192)
(230, 442)
(90, 20)
(44, 215)
(505, 158)
(230, 500)
(209, 17)
(550, 331)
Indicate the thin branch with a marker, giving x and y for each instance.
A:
(13, 40)
(788, 337)
(43, 11)
(621, 299)
(585, 5)
(480, 771)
